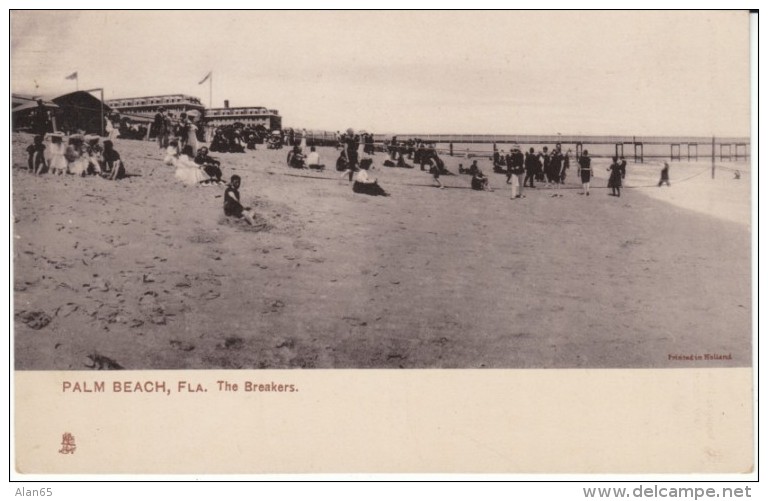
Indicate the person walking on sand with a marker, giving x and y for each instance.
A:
(434, 169)
(664, 175)
(351, 144)
(585, 170)
(614, 181)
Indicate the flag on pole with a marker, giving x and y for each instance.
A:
(71, 77)
(206, 77)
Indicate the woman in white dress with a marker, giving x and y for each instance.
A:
(192, 135)
(56, 160)
(303, 144)
(110, 129)
(187, 171)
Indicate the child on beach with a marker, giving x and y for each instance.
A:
(57, 161)
(232, 205)
(664, 175)
(585, 169)
(36, 161)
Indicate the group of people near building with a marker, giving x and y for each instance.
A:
(167, 127)
(238, 137)
(80, 156)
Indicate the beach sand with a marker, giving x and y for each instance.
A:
(147, 273)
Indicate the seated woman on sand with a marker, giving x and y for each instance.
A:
(296, 158)
(171, 153)
(366, 184)
(187, 171)
(479, 180)
(77, 156)
(210, 165)
(313, 159)
(113, 165)
(342, 162)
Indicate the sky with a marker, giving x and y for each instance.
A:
(489, 72)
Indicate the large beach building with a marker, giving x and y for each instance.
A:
(247, 115)
(148, 106)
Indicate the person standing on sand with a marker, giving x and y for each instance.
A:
(623, 166)
(556, 167)
(544, 174)
(531, 164)
(614, 181)
(162, 126)
(42, 124)
(566, 166)
(351, 144)
(192, 134)
(517, 171)
(664, 175)
(585, 170)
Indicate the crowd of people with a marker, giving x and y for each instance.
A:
(87, 155)
(81, 156)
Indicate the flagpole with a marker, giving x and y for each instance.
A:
(210, 91)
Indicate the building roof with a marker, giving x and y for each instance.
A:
(81, 99)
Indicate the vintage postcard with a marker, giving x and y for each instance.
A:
(251, 242)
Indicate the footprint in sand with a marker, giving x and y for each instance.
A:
(66, 310)
(181, 345)
(286, 343)
(355, 321)
(151, 309)
(100, 362)
(211, 294)
(232, 343)
(34, 319)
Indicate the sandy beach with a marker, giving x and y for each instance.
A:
(147, 273)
